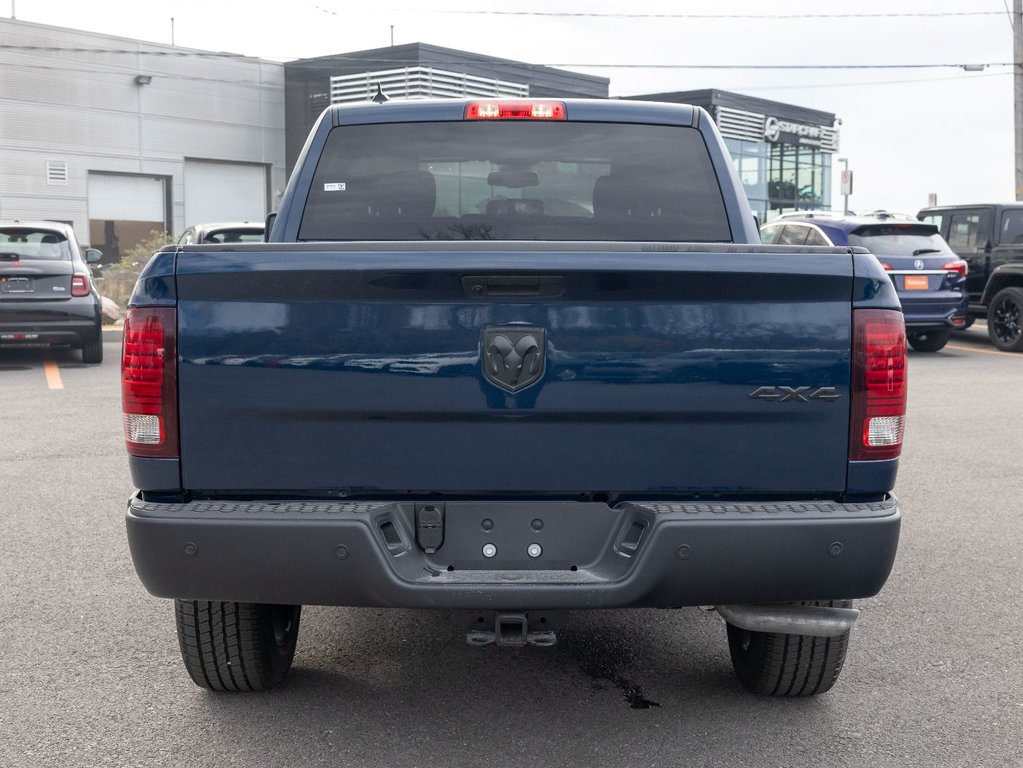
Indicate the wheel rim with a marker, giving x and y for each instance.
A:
(745, 640)
(285, 620)
(1007, 320)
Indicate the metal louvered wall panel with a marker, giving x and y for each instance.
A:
(739, 124)
(829, 139)
(420, 83)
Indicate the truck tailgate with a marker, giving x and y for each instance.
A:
(361, 368)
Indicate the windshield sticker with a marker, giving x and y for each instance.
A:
(337, 186)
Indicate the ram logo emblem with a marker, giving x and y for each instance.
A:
(514, 356)
(795, 394)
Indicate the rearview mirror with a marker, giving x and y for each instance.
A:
(270, 219)
(93, 256)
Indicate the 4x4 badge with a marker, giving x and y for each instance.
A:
(514, 355)
(795, 394)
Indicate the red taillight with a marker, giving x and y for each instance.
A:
(515, 110)
(79, 285)
(887, 266)
(149, 391)
(958, 265)
(878, 385)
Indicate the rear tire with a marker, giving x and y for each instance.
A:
(929, 341)
(92, 351)
(775, 664)
(1005, 320)
(236, 646)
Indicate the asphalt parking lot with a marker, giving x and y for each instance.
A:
(91, 674)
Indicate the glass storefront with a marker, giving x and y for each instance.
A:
(781, 177)
(782, 152)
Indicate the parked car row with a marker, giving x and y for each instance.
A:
(928, 277)
(47, 292)
(950, 265)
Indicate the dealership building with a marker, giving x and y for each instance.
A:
(120, 137)
(783, 153)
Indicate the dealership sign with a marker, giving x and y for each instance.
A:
(784, 131)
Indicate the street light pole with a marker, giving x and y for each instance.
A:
(845, 167)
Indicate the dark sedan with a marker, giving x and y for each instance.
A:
(47, 295)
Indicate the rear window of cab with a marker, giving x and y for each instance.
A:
(515, 180)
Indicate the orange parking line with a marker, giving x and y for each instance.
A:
(983, 351)
(53, 380)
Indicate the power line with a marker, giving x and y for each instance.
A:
(276, 86)
(906, 81)
(730, 16)
(783, 66)
(158, 75)
(377, 60)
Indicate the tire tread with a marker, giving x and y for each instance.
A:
(92, 351)
(777, 664)
(231, 646)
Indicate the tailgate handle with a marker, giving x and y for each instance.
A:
(504, 286)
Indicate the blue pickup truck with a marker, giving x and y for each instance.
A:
(514, 357)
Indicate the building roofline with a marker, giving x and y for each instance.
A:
(715, 97)
(225, 55)
(423, 52)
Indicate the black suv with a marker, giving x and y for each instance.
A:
(989, 237)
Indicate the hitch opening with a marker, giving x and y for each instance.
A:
(513, 630)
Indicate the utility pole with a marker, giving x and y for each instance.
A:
(1017, 86)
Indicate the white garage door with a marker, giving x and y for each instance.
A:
(124, 211)
(130, 198)
(224, 192)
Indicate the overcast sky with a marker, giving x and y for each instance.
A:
(906, 132)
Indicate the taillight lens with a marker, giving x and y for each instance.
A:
(887, 266)
(878, 385)
(79, 285)
(515, 110)
(149, 391)
(958, 265)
